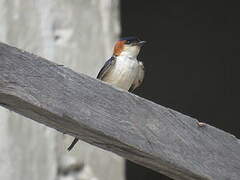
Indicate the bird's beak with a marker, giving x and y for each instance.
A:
(141, 43)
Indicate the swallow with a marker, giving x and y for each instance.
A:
(122, 70)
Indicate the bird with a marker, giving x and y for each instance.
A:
(122, 70)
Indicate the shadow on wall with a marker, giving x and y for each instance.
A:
(136, 172)
(191, 60)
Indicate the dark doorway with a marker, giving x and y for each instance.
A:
(191, 59)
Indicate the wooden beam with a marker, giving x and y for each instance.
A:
(135, 128)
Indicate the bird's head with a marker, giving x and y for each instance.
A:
(129, 46)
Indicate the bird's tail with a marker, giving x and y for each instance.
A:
(72, 144)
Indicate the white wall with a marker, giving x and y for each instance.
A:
(80, 35)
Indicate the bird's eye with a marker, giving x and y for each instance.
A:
(127, 42)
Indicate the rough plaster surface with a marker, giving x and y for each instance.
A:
(78, 34)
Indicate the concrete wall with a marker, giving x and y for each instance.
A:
(78, 34)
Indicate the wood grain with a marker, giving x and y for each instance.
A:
(135, 128)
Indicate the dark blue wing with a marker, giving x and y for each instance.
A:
(106, 67)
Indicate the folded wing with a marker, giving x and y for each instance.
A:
(139, 78)
(106, 67)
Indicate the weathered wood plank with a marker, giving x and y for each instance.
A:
(135, 128)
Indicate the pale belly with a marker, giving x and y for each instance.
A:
(123, 73)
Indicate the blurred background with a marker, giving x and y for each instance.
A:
(191, 60)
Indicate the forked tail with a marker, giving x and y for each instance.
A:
(72, 144)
